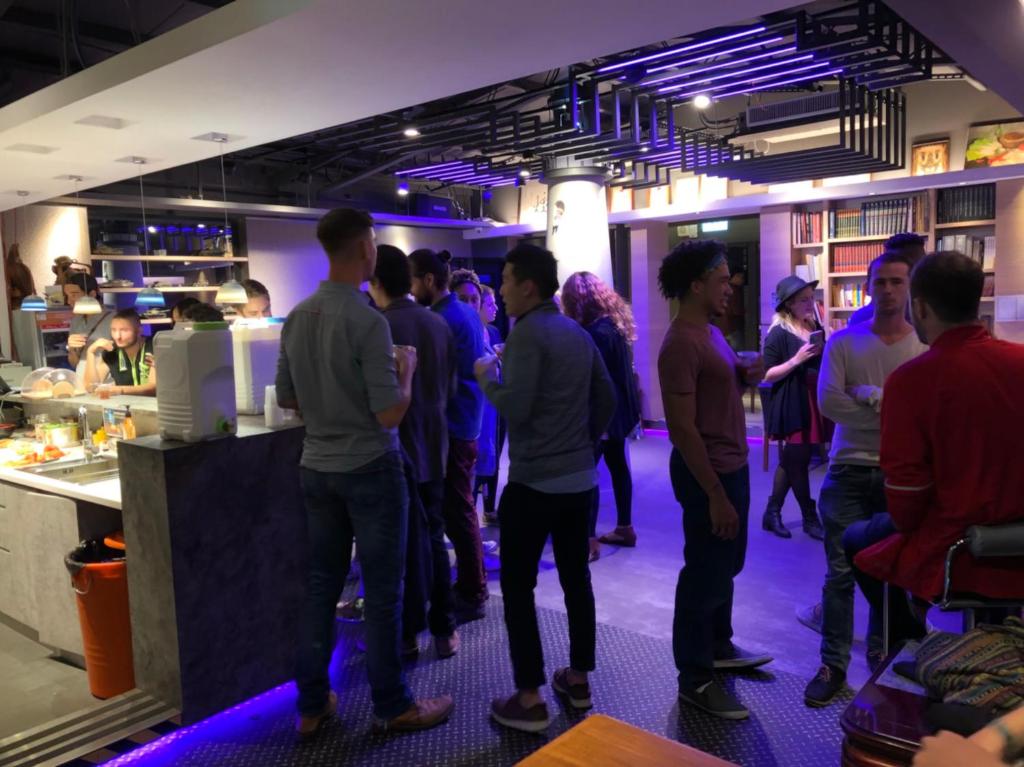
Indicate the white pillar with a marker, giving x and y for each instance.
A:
(578, 222)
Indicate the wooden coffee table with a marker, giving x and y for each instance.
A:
(600, 741)
(883, 726)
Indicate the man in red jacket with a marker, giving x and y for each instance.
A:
(951, 425)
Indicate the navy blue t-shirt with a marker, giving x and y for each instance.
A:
(465, 409)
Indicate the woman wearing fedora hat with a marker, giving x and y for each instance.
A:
(792, 356)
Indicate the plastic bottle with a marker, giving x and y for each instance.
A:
(128, 427)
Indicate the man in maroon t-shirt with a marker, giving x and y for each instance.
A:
(701, 382)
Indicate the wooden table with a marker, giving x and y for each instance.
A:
(882, 726)
(600, 741)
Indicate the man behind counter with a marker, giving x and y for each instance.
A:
(85, 328)
(127, 359)
(258, 304)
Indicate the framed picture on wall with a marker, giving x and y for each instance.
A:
(930, 157)
(990, 144)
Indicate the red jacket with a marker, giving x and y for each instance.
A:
(952, 425)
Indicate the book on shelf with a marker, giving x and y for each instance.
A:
(976, 248)
(988, 289)
(855, 256)
(806, 228)
(838, 323)
(878, 218)
(966, 203)
(988, 254)
(848, 295)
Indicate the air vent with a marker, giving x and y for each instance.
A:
(31, 148)
(102, 121)
(817, 106)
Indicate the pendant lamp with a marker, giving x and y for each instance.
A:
(150, 298)
(87, 305)
(231, 293)
(33, 303)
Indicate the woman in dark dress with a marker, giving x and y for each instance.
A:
(609, 321)
(792, 360)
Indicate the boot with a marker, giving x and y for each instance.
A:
(812, 524)
(772, 521)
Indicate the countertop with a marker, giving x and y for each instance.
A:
(106, 493)
(138, 404)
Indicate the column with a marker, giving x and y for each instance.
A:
(578, 222)
(648, 245)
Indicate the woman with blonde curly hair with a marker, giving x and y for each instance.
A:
(609, 320)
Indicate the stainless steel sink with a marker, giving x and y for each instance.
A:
(78, 472)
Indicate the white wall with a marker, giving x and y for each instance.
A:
(285, 256)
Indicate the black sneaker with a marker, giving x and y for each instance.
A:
(713, 699)
(735, 658)
(825, 686)
(466, 612)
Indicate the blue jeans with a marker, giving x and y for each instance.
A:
(702, 625)
(849, 494)
(371, 505)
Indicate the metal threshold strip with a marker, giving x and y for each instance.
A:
(83, 732)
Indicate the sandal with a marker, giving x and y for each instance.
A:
(595, 550)
(620, 536)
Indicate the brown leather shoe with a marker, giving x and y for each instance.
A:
(308, 726)
(512, 713)
(421, 715)
(620, 536)
(447, 646)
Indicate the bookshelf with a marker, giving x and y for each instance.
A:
(854, 230)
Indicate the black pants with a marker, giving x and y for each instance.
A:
(614, 453)
(419, 575)
(488, 483)
(527, 517)
(703, 617)
(441, 616)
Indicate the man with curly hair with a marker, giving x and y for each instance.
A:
(702, 379)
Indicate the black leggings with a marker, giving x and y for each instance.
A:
(614, 453)
(793, 471)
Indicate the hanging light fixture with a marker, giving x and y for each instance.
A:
(87, 305)
(149, 297)
(33, 303)
(231, 293)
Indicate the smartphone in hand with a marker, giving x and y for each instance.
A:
(817, 338)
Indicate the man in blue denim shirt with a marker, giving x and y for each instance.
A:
(337, 366)
(430, 286)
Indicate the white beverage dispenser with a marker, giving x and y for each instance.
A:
(256, 344)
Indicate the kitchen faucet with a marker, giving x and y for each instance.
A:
(88, 447)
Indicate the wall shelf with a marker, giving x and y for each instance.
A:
(174, 259)
(802, 245)
(967, 224)
(840, 275)
(165, 289)
(866, 238)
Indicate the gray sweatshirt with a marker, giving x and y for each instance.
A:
(555, 394)
(850, 387)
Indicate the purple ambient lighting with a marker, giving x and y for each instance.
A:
(726, 86)
(814, 76)
(407, 171)
(680, 49)
(713, 67)
(444, 173)
(773, 65)
(712, 54)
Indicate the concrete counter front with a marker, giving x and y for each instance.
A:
(216, 541)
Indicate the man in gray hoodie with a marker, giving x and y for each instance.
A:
(557, 397)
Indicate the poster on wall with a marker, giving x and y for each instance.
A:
(930, 157)
(533, 203)
(990, 144)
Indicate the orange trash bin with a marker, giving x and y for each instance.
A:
(99, 577)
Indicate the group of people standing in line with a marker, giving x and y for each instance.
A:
(395, 398)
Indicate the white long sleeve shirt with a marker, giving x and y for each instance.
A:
(856, 364)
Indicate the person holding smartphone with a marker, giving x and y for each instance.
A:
(792, 356)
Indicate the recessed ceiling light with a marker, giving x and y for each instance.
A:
(702, 101)
(31, 148)
(137, 160)
(524, 173)
(411, 132)
(645, 149)
(102, 121)
(403, 189)
(22, 193)
(69, 177)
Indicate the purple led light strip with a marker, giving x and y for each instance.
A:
(407, 171)
(775, 83)
(713, 67)
(712, 54)
(726, 75)
(681, 49)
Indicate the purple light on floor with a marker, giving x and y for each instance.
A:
(407, 171)
(680, 49)
(816, 75)
(772, 65)
(163, 749)
(712, 54)
(713, 67)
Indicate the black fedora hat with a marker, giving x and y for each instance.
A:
(789, 287)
